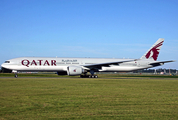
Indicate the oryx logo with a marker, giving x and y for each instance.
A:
(154, 52)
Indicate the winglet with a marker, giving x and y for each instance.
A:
(153, 52)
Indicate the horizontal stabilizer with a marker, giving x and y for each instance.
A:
(160, 62)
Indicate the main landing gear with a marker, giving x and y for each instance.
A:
(88, 76)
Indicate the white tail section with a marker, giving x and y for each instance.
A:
(153, 52)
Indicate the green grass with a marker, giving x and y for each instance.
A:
(77, 98)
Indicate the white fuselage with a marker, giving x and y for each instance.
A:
(61, 64)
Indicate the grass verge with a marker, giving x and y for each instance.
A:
(76, 98)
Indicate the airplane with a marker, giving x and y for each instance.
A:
(81, 66)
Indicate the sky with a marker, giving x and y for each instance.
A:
(88, 28)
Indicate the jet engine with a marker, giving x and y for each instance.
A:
(74, 70)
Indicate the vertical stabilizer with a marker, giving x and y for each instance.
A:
(153, 52)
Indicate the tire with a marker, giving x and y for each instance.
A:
(16, 76)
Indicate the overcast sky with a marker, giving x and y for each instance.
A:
(88, 28)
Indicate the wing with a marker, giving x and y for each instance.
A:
(99, 65)
(158, 63)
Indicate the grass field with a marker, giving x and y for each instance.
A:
(83, 98)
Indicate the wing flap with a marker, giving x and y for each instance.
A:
(99, 65)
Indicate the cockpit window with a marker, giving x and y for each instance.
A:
(7, 61)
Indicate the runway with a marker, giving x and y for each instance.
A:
(91, 78)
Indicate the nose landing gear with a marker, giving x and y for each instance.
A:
(15, 72)
(16, 76)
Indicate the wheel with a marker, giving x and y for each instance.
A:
(96, 76)
(16, 76)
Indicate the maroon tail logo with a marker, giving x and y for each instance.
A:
(154, 52)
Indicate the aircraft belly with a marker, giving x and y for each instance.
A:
(39, 68)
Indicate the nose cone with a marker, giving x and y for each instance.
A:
(4, 65)
(5, 68)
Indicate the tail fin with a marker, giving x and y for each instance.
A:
(153, 52)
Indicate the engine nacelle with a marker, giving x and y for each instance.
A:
(74, 70)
